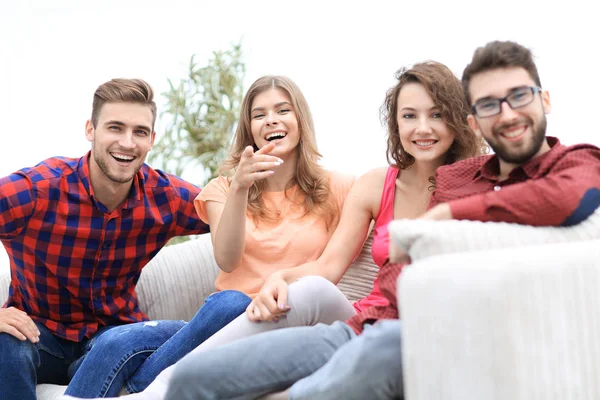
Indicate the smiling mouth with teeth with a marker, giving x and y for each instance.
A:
(122, 158)
(425, 143)
(275, 135)
(514, 132)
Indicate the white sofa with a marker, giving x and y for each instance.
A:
(489, 310)
(500, 311)
(176, 282)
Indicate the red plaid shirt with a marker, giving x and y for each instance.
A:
(559, 188)
(74, 265)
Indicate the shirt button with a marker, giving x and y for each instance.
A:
(497, 188)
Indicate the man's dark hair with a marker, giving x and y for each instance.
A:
(499, 55)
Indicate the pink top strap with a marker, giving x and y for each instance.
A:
(381, 239)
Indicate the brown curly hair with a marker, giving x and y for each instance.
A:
(446, 91)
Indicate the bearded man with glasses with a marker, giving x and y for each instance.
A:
(509, 111)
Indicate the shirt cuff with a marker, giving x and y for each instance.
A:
(470, 208)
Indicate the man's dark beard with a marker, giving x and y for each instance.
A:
(539, 135)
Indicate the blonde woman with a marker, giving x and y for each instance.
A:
(278, 207)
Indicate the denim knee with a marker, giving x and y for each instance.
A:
(134, 337)
(19, 358)
(223, 306)
(230, 298)
(18, 353)
(218, 310)
(112, 356)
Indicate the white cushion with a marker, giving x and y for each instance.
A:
(46, 391)
(424, 238)
(515, 324)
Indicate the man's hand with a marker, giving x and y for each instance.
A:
(397, 255)
(270, 303)
(438, 213)
(17, 323)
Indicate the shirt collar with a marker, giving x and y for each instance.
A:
(491, 168)
(135, 194)
(83, 170)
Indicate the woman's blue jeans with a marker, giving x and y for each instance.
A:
(129, 356)
(319, 362)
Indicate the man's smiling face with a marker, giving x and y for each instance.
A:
(516, 135)
(121, 139)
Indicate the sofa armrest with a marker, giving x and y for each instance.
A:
(4, 285)
(174, 284)
(518, 323)
(424, 238)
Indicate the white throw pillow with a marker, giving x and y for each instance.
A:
(424, 238)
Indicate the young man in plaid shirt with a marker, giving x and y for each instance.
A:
(78, 233)
(532, 179)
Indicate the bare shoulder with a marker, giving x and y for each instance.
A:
(369, 188)
(373, 178)
(377, 172)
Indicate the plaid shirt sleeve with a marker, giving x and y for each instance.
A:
(188, 221)
(565, 195)
(17, 203)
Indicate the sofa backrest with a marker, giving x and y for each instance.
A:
(357, 282)
(174, 284)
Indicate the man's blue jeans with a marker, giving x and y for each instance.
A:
(318, 362)
(115, 357)
(21, 362)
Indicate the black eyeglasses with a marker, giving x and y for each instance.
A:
(519, 97)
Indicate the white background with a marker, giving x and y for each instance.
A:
(342, 54)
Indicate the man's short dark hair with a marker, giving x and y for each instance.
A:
(495, 55)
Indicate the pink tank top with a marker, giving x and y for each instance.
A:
(381, 239)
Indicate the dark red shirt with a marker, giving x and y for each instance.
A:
(74, 265)
(559, 188)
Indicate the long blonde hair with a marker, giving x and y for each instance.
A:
(311, 178)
